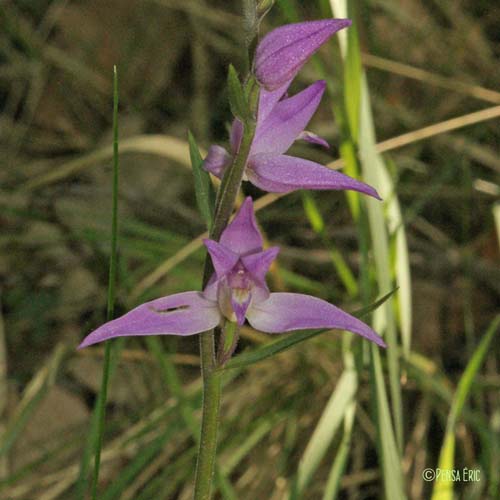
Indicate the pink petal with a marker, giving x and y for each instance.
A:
(258, 263)
(283, 51)
(283, 174)
(180, 314)
(287, 120)
(269, 99)
(236, 135)
(223, 259)
(242, 235)
(313, 139)
(210, 291)
(284, 312)
(216, 160)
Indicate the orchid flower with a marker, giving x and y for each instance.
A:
(282, 120)
(237, 290)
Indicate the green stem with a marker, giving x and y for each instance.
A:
(211, 377)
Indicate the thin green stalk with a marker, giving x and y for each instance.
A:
(101, 401)
(226, 198)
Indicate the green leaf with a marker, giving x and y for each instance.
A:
(352, 80)
(236, 94)
(359, 313)
(339, 465)
(443, 490)
(317, 222)
(96, 433)
(205, 194)
(289, 340)
(389, 453)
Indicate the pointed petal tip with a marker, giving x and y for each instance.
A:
(320, 83)
(284, 312)
(371, 191)
(247, 203)
(242, 234)
(223, 258)
(284, 174)
(88, 341)
(282, 52)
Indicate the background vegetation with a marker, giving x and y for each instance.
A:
(322, 418)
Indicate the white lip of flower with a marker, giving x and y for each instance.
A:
(227, 295)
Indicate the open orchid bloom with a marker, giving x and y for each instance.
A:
(283, 51)
(237, 290)
(280, 122)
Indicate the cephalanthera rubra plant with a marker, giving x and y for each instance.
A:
(266, 123)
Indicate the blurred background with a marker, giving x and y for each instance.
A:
(431, 65)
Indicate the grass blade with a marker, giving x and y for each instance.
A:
(101, 401)
(317, 222)
(32, 396)
(496, 216)
(333, 483)
(95, 436)
(373, 166)
(443, 489)
(391, 463)
(331, 418)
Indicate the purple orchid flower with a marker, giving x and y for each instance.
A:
(283, 51)
(280, 122)
(237, 290)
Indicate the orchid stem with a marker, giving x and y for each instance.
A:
(226, 198)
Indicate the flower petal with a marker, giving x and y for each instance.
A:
(283, 51)
(216, 160)
(269, 99)
(258, 263)
(236, 135)
(210, 291)
(283, 174)
(284, 312)
(287, 120)
(180, 314)
(223, 259)
(313, 138)
(242, 235)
